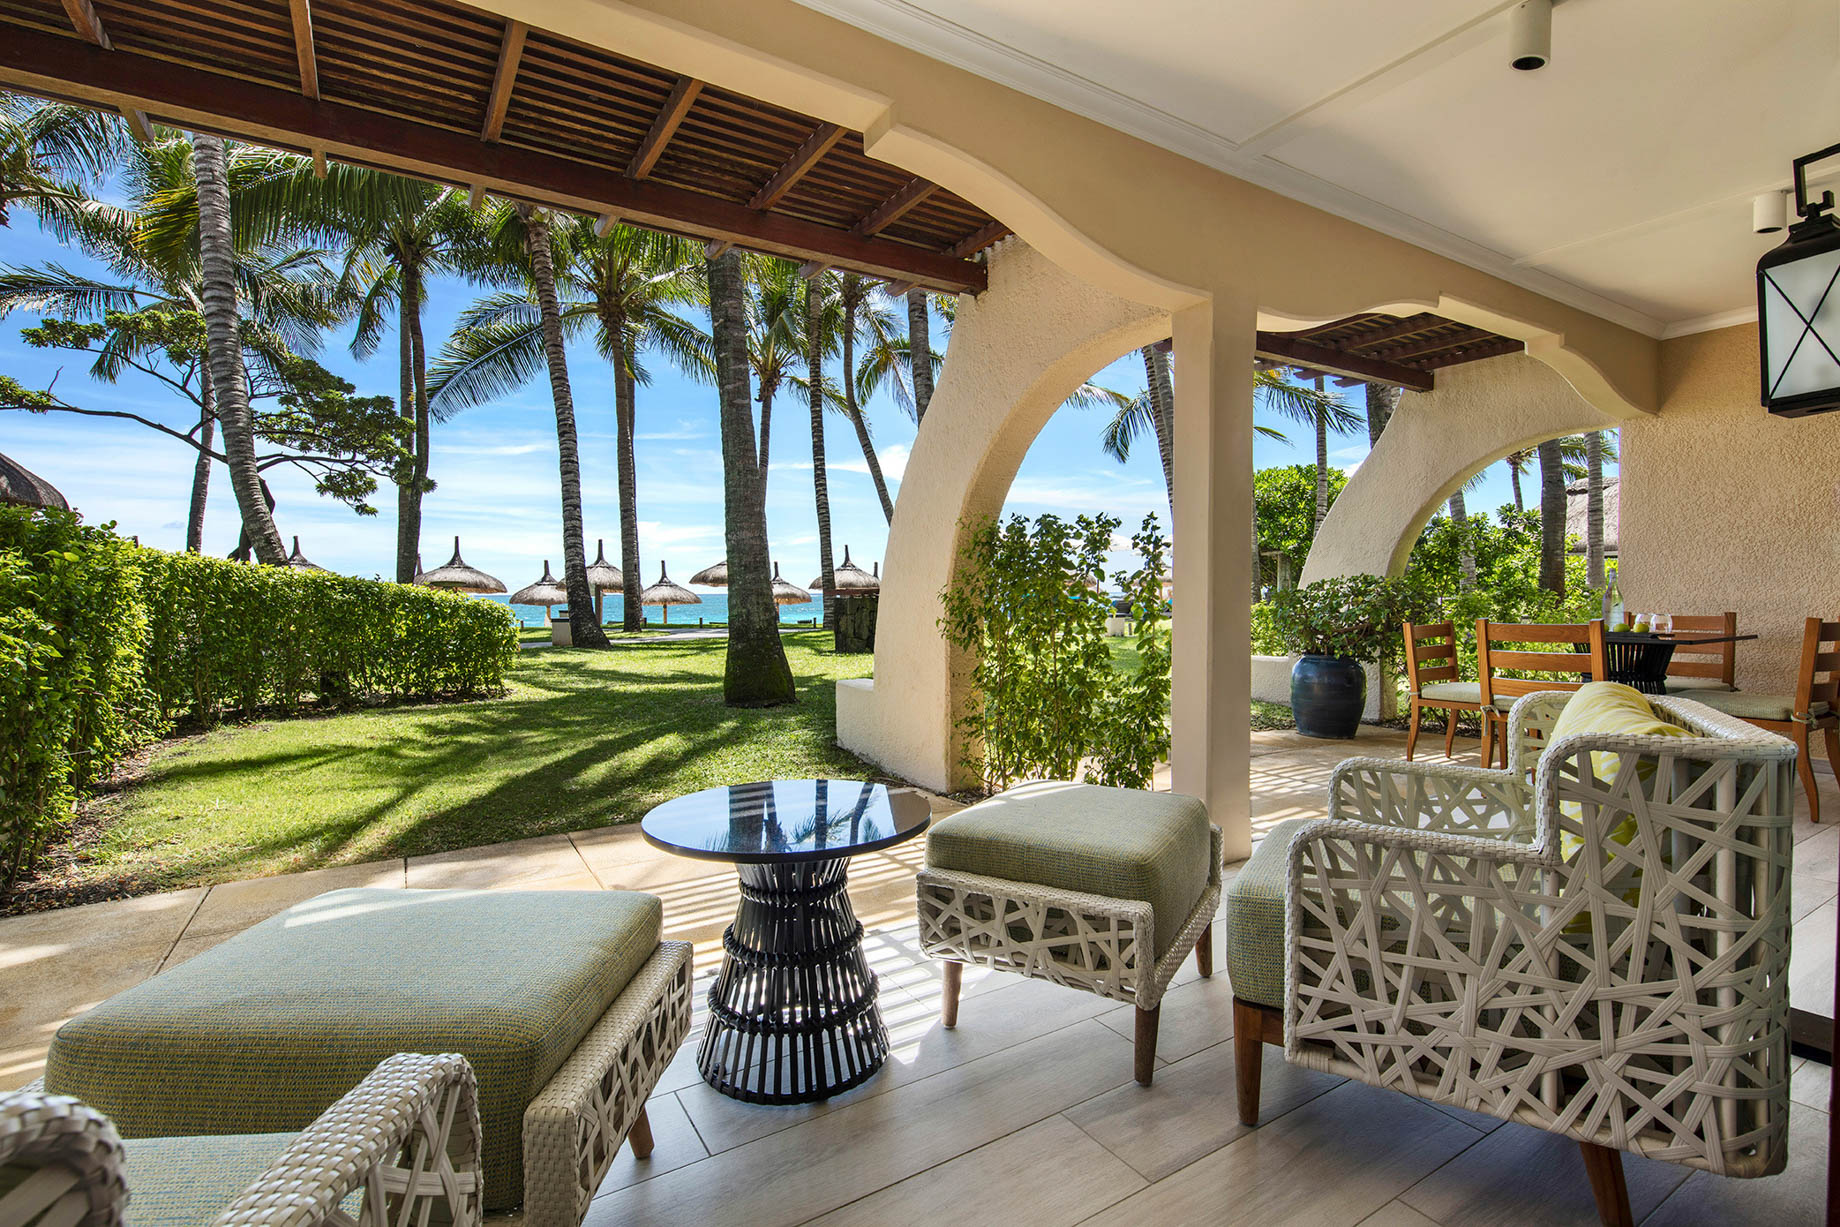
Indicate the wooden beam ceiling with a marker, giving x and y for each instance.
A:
(677, 104)
(510, 51)
(806, 156)
(912, 193)
(302, 13)
(49, 65)
(977, 240)
(89, 27)
(1288, 349)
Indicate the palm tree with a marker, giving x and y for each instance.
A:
(1382, 403)
(817, 337)
(861, 313)
(1594, 509)
(53, 155)
(756, 673)
(773, 297)
(285, 292)
(919, 342)
(217, 276)
(1552, 517)
(625, 285)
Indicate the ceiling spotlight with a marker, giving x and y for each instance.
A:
(1770, 212)
(1530, 35)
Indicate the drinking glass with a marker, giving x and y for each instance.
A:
(1661, 623)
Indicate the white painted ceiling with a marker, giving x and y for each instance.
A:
(1619, 177)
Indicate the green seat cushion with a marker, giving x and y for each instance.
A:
(1456, 692)
(187, 1182)
(265, 1031)
(1746, 705)
(1151, 847)
(1695, 685)
(1255, 918)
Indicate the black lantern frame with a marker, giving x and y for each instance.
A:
(1816, 234)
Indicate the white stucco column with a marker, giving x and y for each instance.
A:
(1436, 441)
(1212, 686)
(1018, 351)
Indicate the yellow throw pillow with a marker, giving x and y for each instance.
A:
(1615, 709)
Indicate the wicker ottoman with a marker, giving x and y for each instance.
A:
(566, 1004)
(1102, 889)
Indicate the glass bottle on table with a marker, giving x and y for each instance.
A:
(1613, 605)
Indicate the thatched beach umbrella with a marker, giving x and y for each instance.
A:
(667, 593)
(603, 576)
(545, 592)
(298, 560)
(24, 488)
(456, 576)
(850, 579)
(714, 576)
(785, 592)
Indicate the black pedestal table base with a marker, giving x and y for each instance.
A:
(792, 1014)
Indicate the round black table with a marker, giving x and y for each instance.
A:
(792, 1013)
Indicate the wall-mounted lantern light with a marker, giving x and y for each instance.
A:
(1798, 306)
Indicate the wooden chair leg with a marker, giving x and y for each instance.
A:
(948, 1002)
(1604, 1167)
(1488, 739)
(1805, 769)
(1412, 731)
(1450, 730)
(1204, 951)
(1248, 1057)
(640, 1136)
(1145, 1054)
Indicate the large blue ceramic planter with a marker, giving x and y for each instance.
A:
(1328, 694)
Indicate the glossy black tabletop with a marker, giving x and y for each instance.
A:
(781, 821)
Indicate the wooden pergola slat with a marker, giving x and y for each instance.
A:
(677, 104)
(194, 97)
(302, 13)
(806, 156)
(504, 79)
(1290, 350)
(890, 210)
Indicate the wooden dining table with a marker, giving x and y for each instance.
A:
(1640, 658)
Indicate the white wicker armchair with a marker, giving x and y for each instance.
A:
(406, 1139)
(1607, 961)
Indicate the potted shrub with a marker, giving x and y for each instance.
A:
(1333, 627)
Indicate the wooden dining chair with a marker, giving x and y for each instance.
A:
(1815, 705)
(1696, 668)
(1578, 652)
(1434, 681)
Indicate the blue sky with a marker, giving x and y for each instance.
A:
(496, 465)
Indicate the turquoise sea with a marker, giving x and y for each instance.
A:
(713, 609)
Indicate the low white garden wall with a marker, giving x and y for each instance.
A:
(1271, 683)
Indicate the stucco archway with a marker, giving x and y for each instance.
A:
(1434, 443)
(1018, 351)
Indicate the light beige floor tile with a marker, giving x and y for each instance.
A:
(497, 865)
(1811, 961)
(794, 1174)
(675, 1145)
(1333, 1161)
(1818, 856)
(1520, 1176)
(1190, 1110)
(1195, 1015)
(1811, 1085)
(1397, 1214)
(232, 907)
(1047, 1175)
(1808, 892)
(1798, 1195)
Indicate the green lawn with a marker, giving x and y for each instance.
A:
(583, 739)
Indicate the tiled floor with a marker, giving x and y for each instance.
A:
(1026, 1112)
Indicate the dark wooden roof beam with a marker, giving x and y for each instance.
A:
(797, 166)
(1362, 338)
(1288, 349)
(48, 64)
(510, 52)
(677, 104)
(304, 52)
(1420, 349)
(605, 223)
(977, 240)
(1483, 348)
(83, 19)
(913, 192)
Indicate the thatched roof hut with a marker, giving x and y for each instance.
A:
(603, 576)
(713, 576)
(544, 592)
(850, 579)
(456, 576)
(785, 592)
(24, 488)
(299, 562)
(667, 593)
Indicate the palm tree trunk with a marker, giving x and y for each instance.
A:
(855, 411)
(419, 374)
(919, 351)
(408, 496)
(1466, 553)
(756, 673)
(1514, 479)
(1552, 518)
(224, 345)
(1594, 508)
(1162, 416)
(584, 627)
(766, 438)
(625, 420)
(820, 482)
(1258, 561)
(201, 471)
(1322, 463)
(1382, 402)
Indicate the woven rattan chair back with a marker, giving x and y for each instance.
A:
(1716, 661)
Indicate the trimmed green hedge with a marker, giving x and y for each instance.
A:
(103, 645)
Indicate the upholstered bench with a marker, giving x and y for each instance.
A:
(1102, 889)
(566, 1004)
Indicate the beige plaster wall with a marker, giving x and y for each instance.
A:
(1435, 442)
(1725, 507)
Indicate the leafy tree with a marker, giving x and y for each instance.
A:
(1285, 499)
(302, 415)
(774, 303)
(53, 155)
